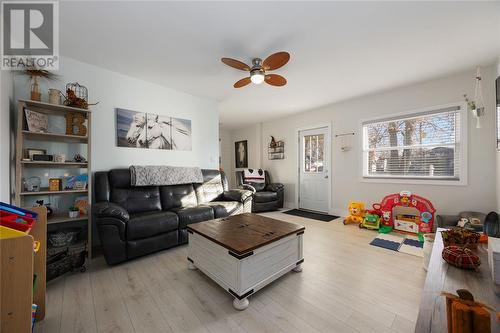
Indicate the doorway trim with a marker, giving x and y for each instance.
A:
(327, 125)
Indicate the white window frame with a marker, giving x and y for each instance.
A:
(464, 140)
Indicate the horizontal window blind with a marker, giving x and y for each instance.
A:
(420, 146)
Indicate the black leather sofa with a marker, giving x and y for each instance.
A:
(134, 221)
(266, 196)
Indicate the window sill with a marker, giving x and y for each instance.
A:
(414, 181)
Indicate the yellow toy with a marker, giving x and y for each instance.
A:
(356, 213)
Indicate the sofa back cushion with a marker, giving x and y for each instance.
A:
(137, 199)
(212, 186)
(177, 196)
(133, 199)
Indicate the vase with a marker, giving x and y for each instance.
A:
(73, 214)
(35, 90)
(55, 96)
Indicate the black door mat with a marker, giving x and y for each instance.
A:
(311, 215)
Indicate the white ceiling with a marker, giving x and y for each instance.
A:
(338, 49)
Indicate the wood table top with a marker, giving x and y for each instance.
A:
(245, 232)
(441, 276)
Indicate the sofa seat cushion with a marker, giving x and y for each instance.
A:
(188, 215)
(147, 224)
(226, 208)
(265, 196)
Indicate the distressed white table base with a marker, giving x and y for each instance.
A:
(191, 266)
(243, 275)
(241, 304)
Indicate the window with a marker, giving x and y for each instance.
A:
(425, 145)
(313, 153)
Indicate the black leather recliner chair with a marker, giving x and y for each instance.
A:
(134, 221)
(266, 196)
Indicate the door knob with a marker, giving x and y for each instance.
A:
(326, 176)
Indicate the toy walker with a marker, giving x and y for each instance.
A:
(372, 218)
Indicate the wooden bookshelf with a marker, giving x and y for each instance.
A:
(54, 137)
(19, 264)
(43, 164)
(60, 218)
(45, 191)
(24, 135)
(50, 108)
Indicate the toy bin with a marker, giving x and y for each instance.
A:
(16, 218)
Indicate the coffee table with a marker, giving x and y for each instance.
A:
(244, 253)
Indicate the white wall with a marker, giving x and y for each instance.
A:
(479, 194)
(253, 135)
(498, 154)
(113, 90)
(226, 148)
(6, 100)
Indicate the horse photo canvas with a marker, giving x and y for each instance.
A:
(181, 134)
(130, 128)
(150, 130)
(159, 131)
(241, 154)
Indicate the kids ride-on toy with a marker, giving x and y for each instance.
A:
(356, 213)
(372, 218)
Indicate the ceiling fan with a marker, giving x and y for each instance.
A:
(259, 68)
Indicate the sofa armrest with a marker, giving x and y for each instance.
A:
(247, 187)
(445, 221)
(275, 187)
(108, 209)
(238, 195)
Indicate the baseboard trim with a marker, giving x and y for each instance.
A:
(338, 212)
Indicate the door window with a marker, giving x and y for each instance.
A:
(314, 146)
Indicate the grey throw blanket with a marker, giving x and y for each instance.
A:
(150, 175)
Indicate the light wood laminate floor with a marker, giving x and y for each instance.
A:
(346, 285)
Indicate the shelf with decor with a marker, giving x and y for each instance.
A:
(69, 185)
(55, 137)
(55, 164)
(46, 191)
(276, 150)
(62, 218)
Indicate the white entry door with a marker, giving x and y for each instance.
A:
(314, 166)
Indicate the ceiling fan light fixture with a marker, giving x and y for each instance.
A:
(257, 77)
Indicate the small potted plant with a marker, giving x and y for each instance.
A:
(73, 212)
(477, 111)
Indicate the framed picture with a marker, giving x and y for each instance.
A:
(55, 184)
(150, 130)
(130, 128)
(29, 152)
(181, 134)
(241, 154)
(36, 121)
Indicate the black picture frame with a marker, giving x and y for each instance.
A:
(241, 154)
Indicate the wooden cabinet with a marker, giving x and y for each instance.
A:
(19, 265)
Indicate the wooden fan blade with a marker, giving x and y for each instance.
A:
(243, 82)
(275, 80)
(275, 61)
(236, 64)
